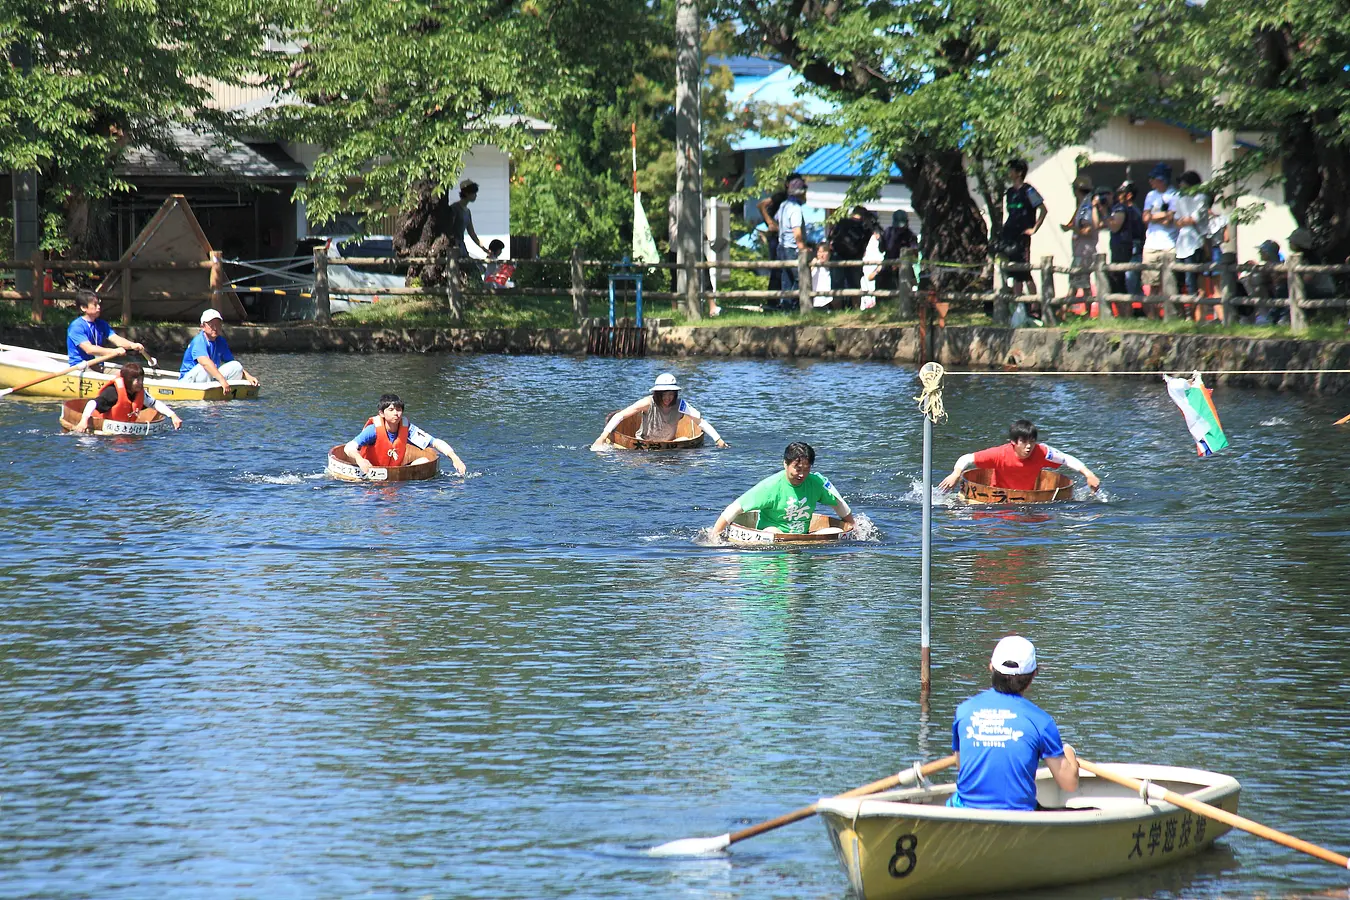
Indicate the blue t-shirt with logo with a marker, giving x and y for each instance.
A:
(1002, 738)
(217, 351)
(96, 332)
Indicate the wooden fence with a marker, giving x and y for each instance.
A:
(909, 295)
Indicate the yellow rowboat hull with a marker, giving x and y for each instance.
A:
(742, 532)
(419, 465)
(907, 845)
(688, 435)
(20, 364)
(147, 420)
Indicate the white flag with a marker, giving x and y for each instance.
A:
(644, 245)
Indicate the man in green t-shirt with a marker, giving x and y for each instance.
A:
(787, 500)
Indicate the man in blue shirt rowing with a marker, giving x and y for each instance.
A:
(90, 336)
(208, 357)
(1000, 738)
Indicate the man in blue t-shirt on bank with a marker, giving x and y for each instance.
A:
(1000, 738)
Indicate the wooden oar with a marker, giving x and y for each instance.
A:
(704, 846)
(1213, 812)
(1342, 420)
(50, 376)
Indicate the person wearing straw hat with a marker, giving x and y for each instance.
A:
(208, 357)
(1000, 737)
(661, 411)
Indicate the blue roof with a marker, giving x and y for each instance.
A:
(752, 66)
(843, 161)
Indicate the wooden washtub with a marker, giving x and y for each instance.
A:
(1050, 487)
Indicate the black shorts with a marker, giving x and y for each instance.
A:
(1017, 249)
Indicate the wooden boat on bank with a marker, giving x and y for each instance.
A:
(908, 845)
(977, 487)
(744, 531)
(688, 435)
(19, 365)
(419, 465)
(147, 420)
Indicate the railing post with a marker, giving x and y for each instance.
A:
(322, 313)
(1048, 290)
(904, 279)
(39, 270)
(803, 280)
(1104, 311)
(580, 306)
(126, 293)
(1298, 318)
(1169, 290)
(219, 284)
(454, 291)
(1228, 288)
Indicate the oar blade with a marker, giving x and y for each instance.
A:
(706, 846)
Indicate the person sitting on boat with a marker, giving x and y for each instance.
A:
(1000, 737)
(208, 357)
(1017, 464)
(385, 439)
(90, 337)
(122, 399)
(787, 500)
(661, 411)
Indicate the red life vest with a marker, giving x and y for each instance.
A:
(126, 409)
(385, 452)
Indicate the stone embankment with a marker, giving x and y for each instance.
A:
(1047, 350)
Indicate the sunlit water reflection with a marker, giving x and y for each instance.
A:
(227, 676)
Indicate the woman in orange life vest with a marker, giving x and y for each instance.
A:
(1017, 463)
(385, 439)
(123, 398)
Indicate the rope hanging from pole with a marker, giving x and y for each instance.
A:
(930, 401)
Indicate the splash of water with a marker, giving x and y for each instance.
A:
(864, 529)
(939, 497)
(1271, 423)
(286, 478)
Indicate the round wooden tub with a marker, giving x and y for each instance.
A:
(688, 435)
(147, 420)
(419, 465)
(1050, 487)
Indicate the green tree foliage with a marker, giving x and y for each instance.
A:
(88, 79)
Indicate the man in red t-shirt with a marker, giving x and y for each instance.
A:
(1018, 463)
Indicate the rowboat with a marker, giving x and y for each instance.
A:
(744, 531)
(907, 845)
(977, 487)
(688, 435)
(19, 365)
(419, 465)
(147, 420)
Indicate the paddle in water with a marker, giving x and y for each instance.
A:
(1156, 792)
(705, 845)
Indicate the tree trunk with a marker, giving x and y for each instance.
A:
(89, 228)
(1317, 180)
(953, 229)
(424, 231)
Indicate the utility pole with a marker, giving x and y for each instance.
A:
(688, 154)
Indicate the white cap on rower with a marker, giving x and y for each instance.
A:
(210, 315)
(665, 382)
(1014, 655)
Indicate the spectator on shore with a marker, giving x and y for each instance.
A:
(791, 235)
(768, 211)
(498, 274)
(822, 278)
(1160, 236)
(872, 269)
(1085, 224)
(896, 239)
(1127, 239)
(1024, 211)
(461, 220)
(1265, 284)
(848, 241)
(1192, 220)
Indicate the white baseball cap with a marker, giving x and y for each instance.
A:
(211, 314)
(665, 382)
(1014, 655)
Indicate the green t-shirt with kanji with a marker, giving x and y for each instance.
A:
(786, 507)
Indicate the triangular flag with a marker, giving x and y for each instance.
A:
(644, 245)
(1196, 403)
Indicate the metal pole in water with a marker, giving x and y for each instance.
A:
(925, 675)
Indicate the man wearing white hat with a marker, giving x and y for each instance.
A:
(661, 411)
(1000, 738)
(208, 357)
